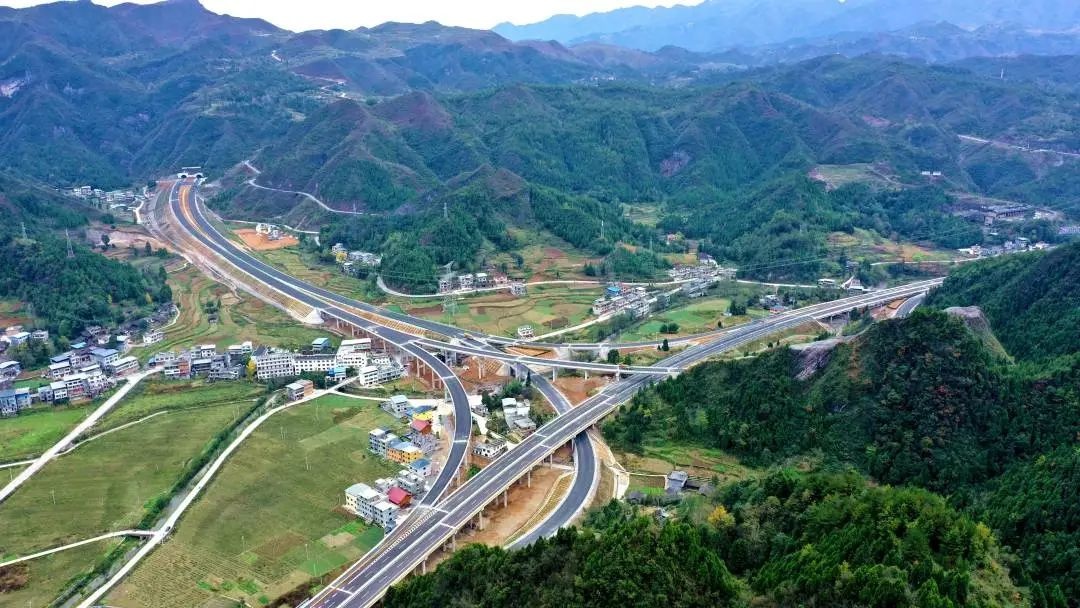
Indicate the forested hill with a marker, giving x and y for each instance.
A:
(921, 401)
(1032, 301)
(786, 540)
(917, 401)
(66, 294)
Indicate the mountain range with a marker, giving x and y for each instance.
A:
(718, 25)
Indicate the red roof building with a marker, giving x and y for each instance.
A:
(422, 427)
(399, 497)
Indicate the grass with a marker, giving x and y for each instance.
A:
(48, 577)
(272, 518)
(156, 395)
(868, 245)
(546, 308)
(544, 257)
(104, 485)
(241, 317)
(34, 431)
(647, 214)
(306, 267)
(836, 176)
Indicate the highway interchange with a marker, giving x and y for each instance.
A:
(441, 515)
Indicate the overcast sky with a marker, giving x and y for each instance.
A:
(347, 14)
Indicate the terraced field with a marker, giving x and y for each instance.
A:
(240, 317)
(546, 308)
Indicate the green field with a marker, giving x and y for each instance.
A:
(272, 519)
(45, 578)
(103, 485)
(696, 317)
(34, 431)
(241, 317)
(156, 395)
(305, 267)
(546, 308)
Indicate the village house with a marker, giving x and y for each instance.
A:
(299, 389)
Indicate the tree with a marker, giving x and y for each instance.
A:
(664, 346)
(613, 356)
(149, 249)
(251, 368)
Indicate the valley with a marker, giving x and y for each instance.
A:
(739, 303)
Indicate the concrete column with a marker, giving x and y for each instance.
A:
(453, 542)
(481, 362)
(554, 374)
(423, 566)
(504, 498)
(528, 477)
(586, 375)
(480, 520)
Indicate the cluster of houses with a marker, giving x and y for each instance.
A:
(352, 261)
(372, 367)
(381, 504)
(1019, 245)
(84, 372)
(697, 279)
(272, 232)
(460, 283)
(114, 201)
(204, 361)
(635, 301)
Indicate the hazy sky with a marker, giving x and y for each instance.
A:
(347, 14)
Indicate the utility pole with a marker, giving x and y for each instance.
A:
(23, 230)
(445, 210)
(601, 230)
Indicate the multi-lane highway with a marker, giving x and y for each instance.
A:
(194, 223)
(439, 520)
(586, 469)
(363, 586)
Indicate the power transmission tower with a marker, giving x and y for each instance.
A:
(23, 230)
(70, 251)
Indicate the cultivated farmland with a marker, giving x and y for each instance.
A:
(103, 486)
(271, 520)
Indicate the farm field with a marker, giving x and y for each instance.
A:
(104, 485)
(271, 521)
(156, 395)
(547, 308)
(12, 312)
(865, 244)
(34, 431)
(696, 317)
(42, 580)
(293, 262)
(241, 317)
(544, 258)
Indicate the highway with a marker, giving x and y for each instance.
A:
(195, 223)
(525, 359)
(360, 587)
(585, 473)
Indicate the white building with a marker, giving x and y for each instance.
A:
(385, 515)
(314, 363)
(274, 365)
(124, 366)
(361, 499)
(398, 406)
